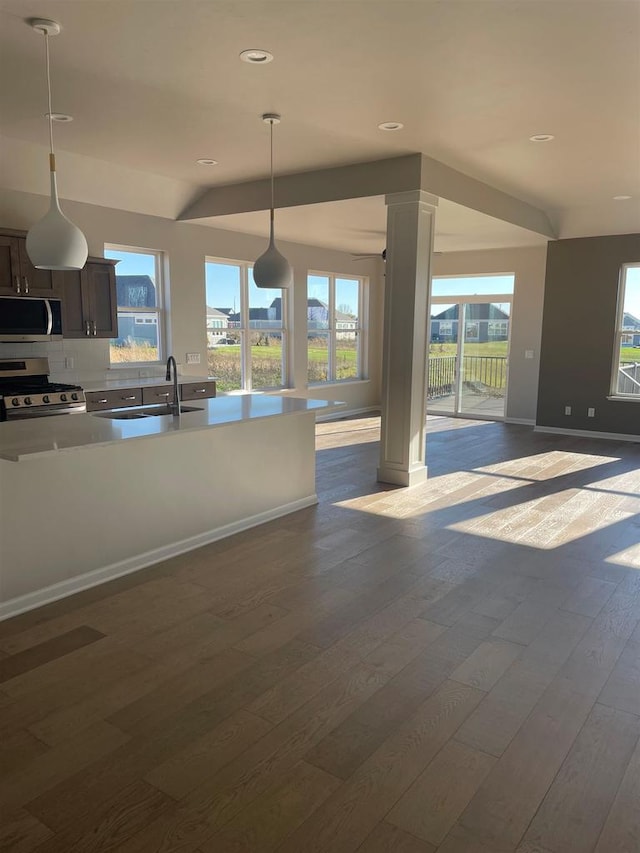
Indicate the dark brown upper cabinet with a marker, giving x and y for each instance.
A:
(18, 276)
(89, 304)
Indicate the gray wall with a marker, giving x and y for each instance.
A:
(580, 300)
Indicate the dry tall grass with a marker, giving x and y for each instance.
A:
(133, 354)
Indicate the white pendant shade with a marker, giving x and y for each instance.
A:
(272, 269)
(55, 243)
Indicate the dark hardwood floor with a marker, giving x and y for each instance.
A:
(451, 668)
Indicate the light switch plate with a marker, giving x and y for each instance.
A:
(193, 358)
(529, 353)
(68, 362)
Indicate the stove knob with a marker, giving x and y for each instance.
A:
(63, 398)
(27, 401)
(74, 396)
(15, 402)
(46, 399)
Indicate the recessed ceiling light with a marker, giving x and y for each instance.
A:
(621, 197)
(541, 137)
(205, 161)
(390, 125)
(59, 117)
(256, 56)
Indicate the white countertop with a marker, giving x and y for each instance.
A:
(29, 438)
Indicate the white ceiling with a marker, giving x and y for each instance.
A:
(155, 85)
(361, 222)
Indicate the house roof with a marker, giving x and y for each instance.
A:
(314, 303)
(135, 291)
(629, 321)
(217, 312)
(475, 311)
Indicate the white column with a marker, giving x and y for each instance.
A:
(407, 326)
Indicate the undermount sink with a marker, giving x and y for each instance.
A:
(137, 414)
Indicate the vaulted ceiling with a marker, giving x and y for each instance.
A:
(153, 86)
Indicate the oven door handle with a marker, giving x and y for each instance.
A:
(49, 317)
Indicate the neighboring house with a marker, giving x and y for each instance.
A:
(318, 319)
(484, 322)
(136, 291)
(631, 330)
(216, 319)
(217, 325)
(260, 318)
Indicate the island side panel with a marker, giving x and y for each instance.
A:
(77, 518)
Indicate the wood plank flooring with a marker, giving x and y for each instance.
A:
(450, 668)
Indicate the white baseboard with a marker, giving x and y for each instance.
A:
(345, 414)
(31, 600)
(522, 421)
(589, 433)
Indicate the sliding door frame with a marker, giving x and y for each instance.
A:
(463, 301)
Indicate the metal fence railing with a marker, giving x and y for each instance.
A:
(484, 374)
(629, 378)
(442, 376)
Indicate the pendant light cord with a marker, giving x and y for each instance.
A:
(272, 192)
(46, 53)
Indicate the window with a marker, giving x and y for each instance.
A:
(140, 303)
(626, 359)
(246, 329)
(334, 328)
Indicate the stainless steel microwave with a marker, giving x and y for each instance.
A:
(28, 318)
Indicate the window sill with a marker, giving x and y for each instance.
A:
(338, 382)
(620, 398)
(135, 365)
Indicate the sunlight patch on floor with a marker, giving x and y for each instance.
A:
(629, 557)
(546, 462)
(537, 529)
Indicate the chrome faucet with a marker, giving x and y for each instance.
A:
(175, 406)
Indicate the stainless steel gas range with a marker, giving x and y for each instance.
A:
(26, 392)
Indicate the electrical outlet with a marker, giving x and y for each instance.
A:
(193, 358)
(68, 362)
(591, 413)
(567, 410)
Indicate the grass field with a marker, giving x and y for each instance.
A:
(498, 349)
(224, 362)
(630, 355)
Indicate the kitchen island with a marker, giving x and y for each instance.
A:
(85, 498)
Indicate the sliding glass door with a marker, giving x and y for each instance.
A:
(468, 356)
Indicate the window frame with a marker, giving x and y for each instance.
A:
(159, 310)
(618, 335)
(246, 361)
(332, 331)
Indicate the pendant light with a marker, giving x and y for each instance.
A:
(272, 269)
(54, 243)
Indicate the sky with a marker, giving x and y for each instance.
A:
(133, 263)
(632, 292)
(223, 288)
